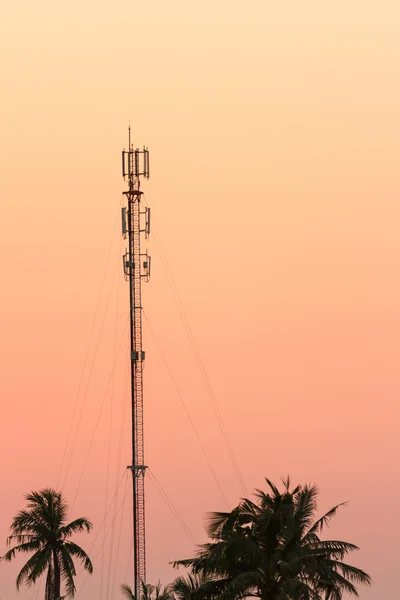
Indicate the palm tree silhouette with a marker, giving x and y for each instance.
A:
(42, 529)
(271, 549)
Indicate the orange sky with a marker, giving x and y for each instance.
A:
(274, 132)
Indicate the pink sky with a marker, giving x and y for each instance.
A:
(274, 131)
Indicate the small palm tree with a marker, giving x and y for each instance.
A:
(42, 529)
(271, 549)
(149, 592)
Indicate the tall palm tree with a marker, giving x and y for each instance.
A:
(42, 528)
(271, 549)
(149, 592)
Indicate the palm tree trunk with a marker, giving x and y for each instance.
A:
(57, 577)
(49, 583)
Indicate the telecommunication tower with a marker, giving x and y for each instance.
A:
(135, 224)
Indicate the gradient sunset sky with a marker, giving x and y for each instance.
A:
(274, 137)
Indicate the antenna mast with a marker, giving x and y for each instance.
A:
(135, 223)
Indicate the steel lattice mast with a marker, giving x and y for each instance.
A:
(135, 223)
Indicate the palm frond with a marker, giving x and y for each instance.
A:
(335, 582)
(25, 547)
(242, 586)
(286, 484)
(246, 548)
(208, 561)
(305, 507)
(127, 592)
(77, 551)
(67, 569)
(34, 567)
(299, 589)
(352, 573)
(43, 504)
(30, 523)
(215, 521)
(337, 545)
(198, 587)
(183, 587)
(21, 538)
(147, 590)
(325, 519)
(246, 514)
(163, 593)
(76, 526)
(272, 486)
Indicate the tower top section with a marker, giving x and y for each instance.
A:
(135, 162)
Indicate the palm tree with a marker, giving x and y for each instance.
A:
(271, 549)
(42, 529)
(149, 592)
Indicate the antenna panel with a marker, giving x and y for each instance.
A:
(147, 230)
(135, 163)
(123, 217)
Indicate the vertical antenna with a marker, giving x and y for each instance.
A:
(135, 222)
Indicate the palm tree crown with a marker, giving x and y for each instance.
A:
(149, 592)
(42, 529)
(271, 549)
